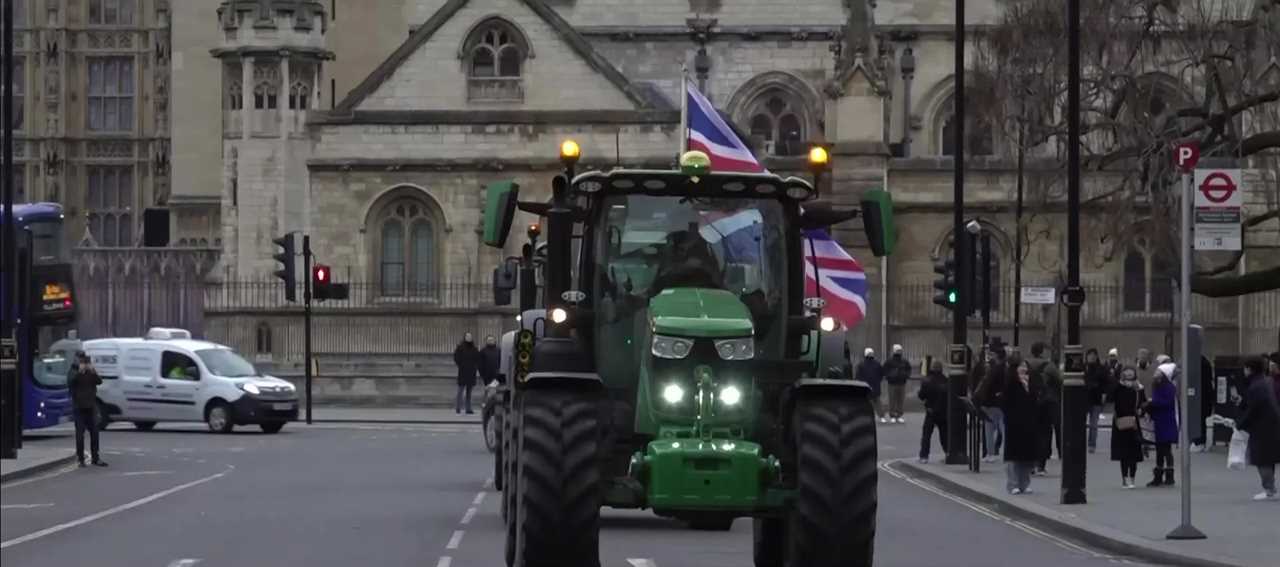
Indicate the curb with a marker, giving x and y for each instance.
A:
(1094, 535)
(37, 469)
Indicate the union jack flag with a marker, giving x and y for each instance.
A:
(843, 283)
(707, 132)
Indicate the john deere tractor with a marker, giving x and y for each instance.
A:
(673, 362)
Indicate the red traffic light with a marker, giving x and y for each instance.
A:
(321, 274)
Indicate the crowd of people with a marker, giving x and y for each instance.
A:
(1021, 404)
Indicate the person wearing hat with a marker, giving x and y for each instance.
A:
(870, 371)
(1163, 409)
(897, 370)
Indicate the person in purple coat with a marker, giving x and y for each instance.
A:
(1163, 409)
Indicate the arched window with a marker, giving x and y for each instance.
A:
(979, 136)
(299, 96)
(777, 119)
(495, 53)
(407, 249)
(1147, 281)
(235, 96)
(265, 96)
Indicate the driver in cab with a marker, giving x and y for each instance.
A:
(688, 262)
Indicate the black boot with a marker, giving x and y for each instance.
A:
(1168, 476)
(1157, 477)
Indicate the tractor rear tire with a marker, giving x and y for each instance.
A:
(769, 542)
(833, 522)
(511, 492)
(559, 482)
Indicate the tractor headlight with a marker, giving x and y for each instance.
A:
(736, 349)
(673, 394)
(671, 347)
(827, 324)
(559, 315)
(730, 395)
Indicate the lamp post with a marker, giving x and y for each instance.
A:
(12, 393)
(1074, 397)
(1019, 63)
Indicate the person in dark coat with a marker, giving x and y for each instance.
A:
(1096, 384)
(468, 359)
(870, 371)
(490, 361)
(1126, 443)
(1260, 418)
(1163, 409)
(1022, 427)
(83, 382)
(897, 370)
(990, 397)
(933, 392)
(1046, 379)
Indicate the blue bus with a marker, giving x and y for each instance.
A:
(46, 312)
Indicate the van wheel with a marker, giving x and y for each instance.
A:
(218, 416)
(144, 425)
(272, 426)
(101, 417)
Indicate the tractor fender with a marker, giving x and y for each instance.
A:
(832, 352)
(564, 362)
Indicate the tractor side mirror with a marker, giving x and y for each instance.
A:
(505, 277)
(821, 214)
(501, 199)
(877, 221)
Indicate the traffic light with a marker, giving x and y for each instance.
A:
(322, 286)
(287, 273)
(948, 294)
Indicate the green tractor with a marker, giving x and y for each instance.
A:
(672, 362)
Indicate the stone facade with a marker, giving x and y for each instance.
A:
(426, 122)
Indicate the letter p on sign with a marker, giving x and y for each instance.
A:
(1186, 155)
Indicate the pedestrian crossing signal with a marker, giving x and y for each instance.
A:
(322, 286)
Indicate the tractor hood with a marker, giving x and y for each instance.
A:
(699, 313)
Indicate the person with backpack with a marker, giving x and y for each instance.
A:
(933, 392)
(990, 397)
(1047, 380)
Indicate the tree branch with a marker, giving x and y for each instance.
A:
(1235, 286)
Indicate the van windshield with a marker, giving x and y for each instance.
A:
(226, 363)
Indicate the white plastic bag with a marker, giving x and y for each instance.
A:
(1237, 455)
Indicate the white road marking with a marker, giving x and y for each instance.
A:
(455, 540)
(466, 518)
(445, 561)
(111, 511)
(488, 482)
(58, 472)
(884, 465)
(478, 499)
(25, 506)
(642, 563)
(143, 473)
(184, 562)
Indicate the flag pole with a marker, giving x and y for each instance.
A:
(684, 110)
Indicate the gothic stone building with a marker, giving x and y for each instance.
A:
(373, 126)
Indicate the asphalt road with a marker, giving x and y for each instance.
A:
(391, 495)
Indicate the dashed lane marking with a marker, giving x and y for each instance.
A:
(478, 499)
(642, 563)
(471, 513)
(445, 561)
(183, 562)
(28, 506)
(111, 511)
(145, 473)
(455, 540)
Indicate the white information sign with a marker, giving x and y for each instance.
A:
(1038, 295)
(1219, 196)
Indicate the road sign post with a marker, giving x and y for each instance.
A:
(1185, 530)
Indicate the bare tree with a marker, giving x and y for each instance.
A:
(1154, 73)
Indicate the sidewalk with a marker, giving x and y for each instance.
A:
(339, 414)
(34, 459)
(1133, 522)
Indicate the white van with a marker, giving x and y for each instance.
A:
(168, 376)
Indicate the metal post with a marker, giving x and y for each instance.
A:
(1017, 247)
(957, 381)
(9, 376)
(306, 318)
(1074, 397)
(1185, 530)
(985, 252)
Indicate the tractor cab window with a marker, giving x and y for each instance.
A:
(651, 243)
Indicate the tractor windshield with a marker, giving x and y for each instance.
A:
(651, 243)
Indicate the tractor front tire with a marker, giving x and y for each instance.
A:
(769, 542)
(559, 481)
(833, 522)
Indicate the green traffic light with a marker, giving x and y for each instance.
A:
(953, 296)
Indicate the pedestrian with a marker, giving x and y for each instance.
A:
(467, 357)
(1022, 426)
(1260, 417)
(990, 397)
(490, 362)
(1163, 409)
(1096, 385)
(933, 392)
(870, 371)
(83, 381)
(897, 370)
(1126, 436)
(1114, 367)
(1047, 380)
